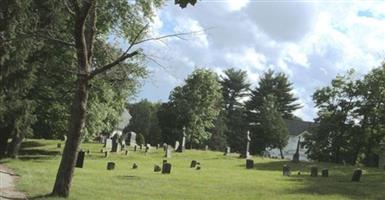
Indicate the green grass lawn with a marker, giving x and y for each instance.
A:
(221, 177)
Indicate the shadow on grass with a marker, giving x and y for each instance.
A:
(31, 144)
(338, 183)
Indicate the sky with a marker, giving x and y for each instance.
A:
(310, 41)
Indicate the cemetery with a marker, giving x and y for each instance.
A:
(219, 177)
(192, 99)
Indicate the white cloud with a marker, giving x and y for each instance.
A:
(310, 41)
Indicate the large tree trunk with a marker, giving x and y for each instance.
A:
(14, 146)
(79, 105)
(67, 164)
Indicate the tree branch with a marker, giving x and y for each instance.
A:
(68, 8)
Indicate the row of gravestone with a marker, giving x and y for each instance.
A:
(357, 173)
(166, 167)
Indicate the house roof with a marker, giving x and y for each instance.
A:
(296, 127)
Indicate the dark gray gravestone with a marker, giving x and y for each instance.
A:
(106, 154)
(198, 167)
(110, 166)
(58, 145)
(325, 173)
(249, 164)
(101, 150)
(147, 148)
(193, 163)
(157, 168)
(286, 170)
(357, 175)
(80, 159)
(134, 147)
(166, 168)
(134, 166)
(314, 171)
(126, 152)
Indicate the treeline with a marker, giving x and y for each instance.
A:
(219, 110)
(351, 119)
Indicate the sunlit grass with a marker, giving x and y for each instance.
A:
(221, 177)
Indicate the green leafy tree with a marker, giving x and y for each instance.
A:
(197, 104)
(145, 120)
(273, 126)
(17, 74)
(235, 88)
(279, 88)
(336, 137)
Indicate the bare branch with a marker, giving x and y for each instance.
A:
(170, 35)
(111, 65)
(68, 7)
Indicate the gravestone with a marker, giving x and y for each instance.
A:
(147, 148)
(183, 140)
(198, 167)
(141, 146)
(157, 168)
(166, 168)
(115, 144)
(110, 166)
(132, 141)
(126, 152)
(227, 151)
(286, 170)
(206, 148)
(88, 151)
(135, 147)
(246, 154)
(80, 159)
(357, 175)
(164, 147)
(135, 166)
(249, 163)
(193, 163)
(157, 146)
(177, 146)
(168, 152)
(314, 171)
(58, 145)
(108, 144)
(106, 154)
(325, 173)
(101, 150)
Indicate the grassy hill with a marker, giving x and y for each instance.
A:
(221, 177)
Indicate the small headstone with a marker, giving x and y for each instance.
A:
(110, 165)
(134, 166)
(165, 147)
(88, 151)
(314, 171)
(325, 173)
(299, 172)
(141, 147)
(106, 154)
(157, 168)
(206, 148)
(58, 145)
(193, 163)
(286, 170)
(108, 144)
(147, 148)
(101, 150)
(157, 146)
(80, 159)
(166, 168)
(168, 152)
(176, 145)
(198, 167)
(126, 152)
(357, 175)
(249, 164)
(134, 147)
